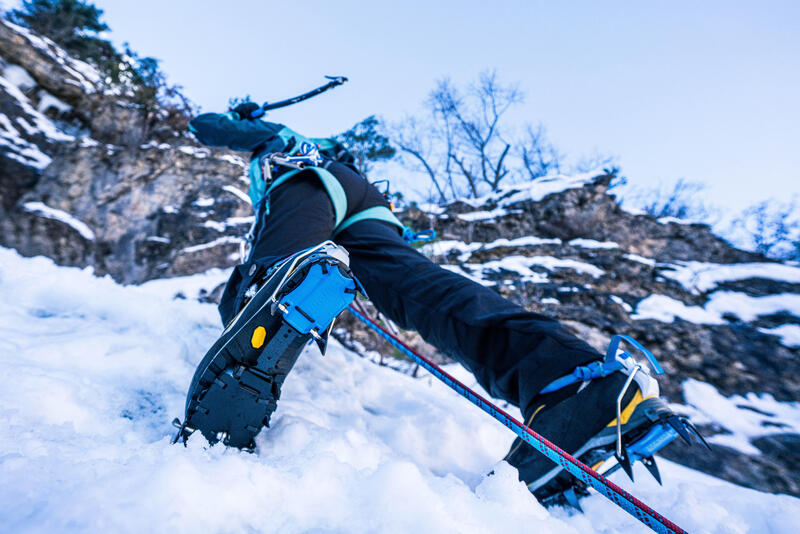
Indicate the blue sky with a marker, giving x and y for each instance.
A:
(707, 91)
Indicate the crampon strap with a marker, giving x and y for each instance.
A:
(599, 369)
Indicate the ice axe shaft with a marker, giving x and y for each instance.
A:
(266, 106)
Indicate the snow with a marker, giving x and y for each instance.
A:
(19, 77)
(197, 152)
(190, 287)
(433, 209)
(625, 306)
(699, 277)
(215, 225)
(459, 270)
(666, 309)
(157, 145)
(720, 304)
(88, 142)
(204, 202)
(676, 220)
(591, 243)
(23, 151)
(234, 160)
(640, 259)
(47, 101)
(225, 240)
(527, 241)
(743, 417)
(789, 334)
(84, 75)
(42, 123)
(41, 209)
(482, 215)
(534, 190)
(748, 308)
(446, 246)
(93, 372)
(238, 193)
(522, 265)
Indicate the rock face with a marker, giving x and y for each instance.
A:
(81, 183)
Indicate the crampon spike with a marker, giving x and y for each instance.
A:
(680, 428)
(624, 460)
(650, 464)
(697, 434)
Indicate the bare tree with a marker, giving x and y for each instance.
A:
(681, 200)
(773, 228)
(406, 137)
(539, 157)
(473, 130)
(466, 145)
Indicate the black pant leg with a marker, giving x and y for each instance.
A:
(512, 352)
(300, 216)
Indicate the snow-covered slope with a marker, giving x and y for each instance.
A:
(93, 372)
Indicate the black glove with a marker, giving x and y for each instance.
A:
(245, 110)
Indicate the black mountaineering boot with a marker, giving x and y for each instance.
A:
(237, 384)
(603, 410)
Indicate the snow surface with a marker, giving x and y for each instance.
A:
(666, 309)
(465, 250)
(640, 259)
(194, 151)
(534, 190)
(47, 101)
(204, 202)
(789, 334)
(743, 417)
(43, 210)
(522, 265)
(238, 193)
(93, 372)
(224, 240)
(591, 243)
(23, 151)
(19, 77)
(699, 277)
(720, 303)
(483, 215)
(15, 79)
(625, 306)
(83, 74)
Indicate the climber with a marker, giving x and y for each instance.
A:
(322, 233)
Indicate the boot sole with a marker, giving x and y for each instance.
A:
(238, 382)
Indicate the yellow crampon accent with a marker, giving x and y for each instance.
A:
(628, 411)
(259, 335)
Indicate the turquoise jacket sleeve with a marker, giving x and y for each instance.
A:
(223, 129)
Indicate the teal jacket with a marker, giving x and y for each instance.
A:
(260, 137)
